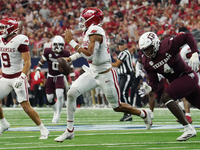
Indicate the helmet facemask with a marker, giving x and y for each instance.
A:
(58, 44)
(58, 47)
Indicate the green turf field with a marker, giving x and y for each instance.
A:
(94, 131)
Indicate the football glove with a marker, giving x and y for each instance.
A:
(194, 61)
(37, 73)
(20, 80)
(144, 89)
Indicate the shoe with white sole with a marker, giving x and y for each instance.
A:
(147, 119)
(67, 135)
(4, 126)
(44, 135)
(188, 133)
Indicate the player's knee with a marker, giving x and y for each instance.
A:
(72, 93)
(110, 94)
(50, 98)
(165, 97)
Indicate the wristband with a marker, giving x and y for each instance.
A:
(23, 75)
(78, 48)
(73, 43)
(72, 74)
(75, 56)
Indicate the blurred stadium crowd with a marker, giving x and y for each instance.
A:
(41, 20)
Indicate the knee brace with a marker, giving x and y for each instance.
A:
(50, 98)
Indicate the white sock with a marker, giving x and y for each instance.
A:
(42, 128)
(70, 125)
(187, 114)
(142, 114)
(188, 127)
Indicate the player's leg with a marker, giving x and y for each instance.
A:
(187, 106)
(178, 89)
(50, 90)
(112, 92)
(22, 94)
(84, 83)
(5, 90)
(60, 99)
(59, 85)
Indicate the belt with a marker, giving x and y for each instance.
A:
(105, 71)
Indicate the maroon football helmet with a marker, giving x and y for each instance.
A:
(8, 26)
(90, 16)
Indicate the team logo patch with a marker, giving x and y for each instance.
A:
(93, 31)
(151, 63)
(26, 41)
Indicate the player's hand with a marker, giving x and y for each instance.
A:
(139, 73)
(20, 80)
(68, 59)
(37, 75)
(194, 61)
(68, 35)
(144, 89)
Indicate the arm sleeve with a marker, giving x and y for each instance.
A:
(182, 39)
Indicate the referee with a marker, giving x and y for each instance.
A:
(126, 74)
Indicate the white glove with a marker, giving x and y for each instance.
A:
(138, 69)
(194, 61)
(20, 80)
(37, 73)
(139, 73)
(144, 89)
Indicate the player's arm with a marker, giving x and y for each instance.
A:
(39, 66)
(117, 63)
(27, 62)
(95, 40)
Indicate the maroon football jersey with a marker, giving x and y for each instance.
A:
(52, 60)
(168, 61)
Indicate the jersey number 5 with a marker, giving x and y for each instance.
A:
(6, 60)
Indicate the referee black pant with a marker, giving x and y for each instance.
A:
(125, 82)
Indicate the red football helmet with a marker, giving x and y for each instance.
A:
(8, 26)
(90, 16)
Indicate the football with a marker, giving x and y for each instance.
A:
(63, 66)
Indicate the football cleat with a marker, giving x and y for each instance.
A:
(147, 119)
(188, 133)
(126, 117)
(189, 119)
(4, 126)
(67, 135)
(44, 135)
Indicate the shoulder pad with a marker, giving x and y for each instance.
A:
(23, 39)
(95, 29)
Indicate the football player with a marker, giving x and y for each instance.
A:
(14, 51)
(99, 73)
(55, 80)
(163, 58)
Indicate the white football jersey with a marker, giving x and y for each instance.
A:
(102, 59)
(11, 58)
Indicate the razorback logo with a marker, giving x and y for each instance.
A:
(93, 31)
(26, 41)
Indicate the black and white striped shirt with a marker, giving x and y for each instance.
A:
(127, 66)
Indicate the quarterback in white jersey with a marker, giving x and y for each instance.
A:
(99, 73)
(14, 51)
